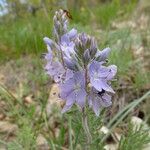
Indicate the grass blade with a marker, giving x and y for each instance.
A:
(70, 136)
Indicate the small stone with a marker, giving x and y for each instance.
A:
(2, 116)
(6, 127)
(42, 143)
(28, 99)
(111, 147)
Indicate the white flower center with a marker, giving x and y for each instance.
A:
(96, 76)
(77, 87)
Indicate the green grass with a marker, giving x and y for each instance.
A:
(135, 139)
(24, 36)
(106, 13)
(71, 134)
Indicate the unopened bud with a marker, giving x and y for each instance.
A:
(70, 64)
(86, 56)
(64, 18)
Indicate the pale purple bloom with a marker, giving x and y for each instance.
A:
(49, 55)
(48, 41)
(98, 100)
(70, 63)
(69, 55)
(72, 34)
(67, 47)
(100, 75)
(73, 91)
(55, 70)
(85, 48)
(60, 24)
(50, 44)
(67, 44)
(69, 74)
(102, 55)
(112, 71)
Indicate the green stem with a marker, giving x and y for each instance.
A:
(86, 127)
(84, 116)
(70, 135)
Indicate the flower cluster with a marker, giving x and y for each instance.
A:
(79, 67)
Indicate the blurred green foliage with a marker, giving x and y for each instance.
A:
(23, 29)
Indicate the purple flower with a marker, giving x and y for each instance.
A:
(98, 100)
(60, 24)
(102, 55)
(52, 45)
(70, 63)
(49, 55)
(72, 34)
(67, 46)
(100, 75)
(69, 55)
(55, 70)
(69, 74)
(48, 41)
(66, 43)
(73, 91)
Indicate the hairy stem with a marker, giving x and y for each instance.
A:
(84, 116)
(86, 127)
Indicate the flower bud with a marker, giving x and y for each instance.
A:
(48, 41)
(60, 24)
(61, 11)
(86, 56)
(86, 48)
(70, 63)
(54, 19)
(64, 18)
(72, 34)
(103, 55)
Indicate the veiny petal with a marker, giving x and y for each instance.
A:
(97, 84)
(94, 67)
(94, 101)
(103, 71)
(68, 50)
(50, 69)
(48, 41)
(69, 63)
(96, 106)
(100, 84)
(65, 39)
(112, 72)
(80, 97)
(79, 78)
(68, 105)
(106, 100)
(66, 88)
(72, 33)
(69, 74)
(97, 68)
(106, 86)
(103, 55)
